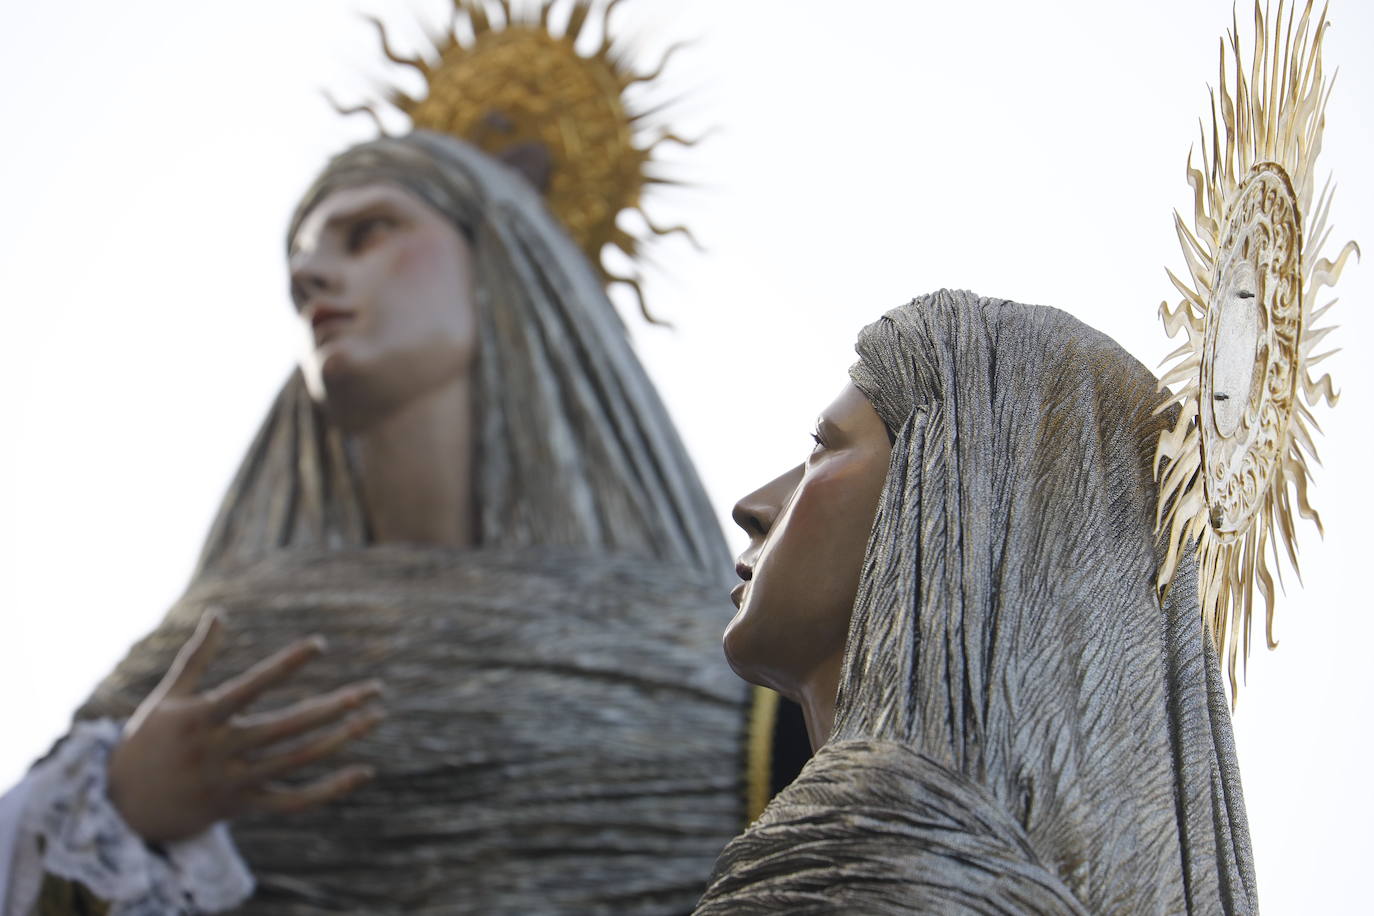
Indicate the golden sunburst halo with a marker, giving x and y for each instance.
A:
(1233, 469)
(502, 79)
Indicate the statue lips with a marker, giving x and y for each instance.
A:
(745, 572)
(326, 321)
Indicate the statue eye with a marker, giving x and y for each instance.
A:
(365, 230)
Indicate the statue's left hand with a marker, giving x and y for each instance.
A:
(189, 758)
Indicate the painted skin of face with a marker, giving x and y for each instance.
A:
(384, 284)
(808, 530)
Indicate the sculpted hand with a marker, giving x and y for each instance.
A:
(188, 759)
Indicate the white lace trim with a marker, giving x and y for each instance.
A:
(86, 840)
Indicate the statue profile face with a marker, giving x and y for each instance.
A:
(808, 532)
(384, 285)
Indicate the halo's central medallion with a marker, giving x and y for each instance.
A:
(1249, 367)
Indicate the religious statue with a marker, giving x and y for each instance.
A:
(1017, 565)
(1023, 566)
(1010, 720)
(472, 490)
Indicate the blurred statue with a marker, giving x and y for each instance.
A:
(473, 492)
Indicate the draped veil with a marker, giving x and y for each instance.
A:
(1021, 724)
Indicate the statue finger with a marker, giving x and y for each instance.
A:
(236, 693)
(282, 800)
(195, 656)
(274, 765)
(268, 728)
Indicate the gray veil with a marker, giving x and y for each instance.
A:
(1021, 725)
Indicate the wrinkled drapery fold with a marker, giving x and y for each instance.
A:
(1009, 665)
(557, 739)
(864, 820)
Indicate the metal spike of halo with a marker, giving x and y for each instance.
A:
(501, 79)
(1237, 456)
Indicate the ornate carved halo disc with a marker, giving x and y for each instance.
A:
(1233, 467)
(1250, 354)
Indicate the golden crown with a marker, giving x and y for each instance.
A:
(502, 79)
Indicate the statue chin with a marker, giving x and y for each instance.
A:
(320, 369)
(327, 380)
(352, 393)
(742, 651)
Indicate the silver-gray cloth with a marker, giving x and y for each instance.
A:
(564, 733)
(1021, 726)
(554, 742)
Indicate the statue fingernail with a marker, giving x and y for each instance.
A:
(365, 692)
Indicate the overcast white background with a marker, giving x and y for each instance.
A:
(866, 152)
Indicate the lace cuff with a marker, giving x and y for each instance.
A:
(84, 839)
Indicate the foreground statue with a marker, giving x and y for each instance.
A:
(1011, 721)
(1024, 565)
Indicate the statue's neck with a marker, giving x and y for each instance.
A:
(816, 696)
(415, 468)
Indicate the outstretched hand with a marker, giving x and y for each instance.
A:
(189, 758)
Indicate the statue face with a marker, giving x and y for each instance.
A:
(808, 531)
(384, 285)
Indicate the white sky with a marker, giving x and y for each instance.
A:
(866, 152)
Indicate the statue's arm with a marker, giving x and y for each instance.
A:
(65, 849)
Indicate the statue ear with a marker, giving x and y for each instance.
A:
(532, 160)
